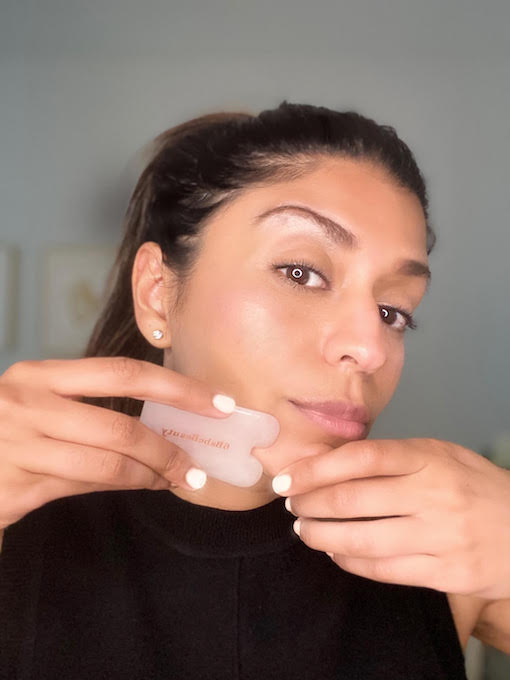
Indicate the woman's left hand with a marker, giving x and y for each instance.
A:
(438, 513)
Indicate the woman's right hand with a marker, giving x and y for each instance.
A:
(52, 445)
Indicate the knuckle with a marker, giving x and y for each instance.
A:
(457, 498)
(380, 570)
(125, 430)
(463, 532)
(340, 498)
(369, 455)
(438, 446)
(125, 367)
(335, 501)
(112, 467)
(360, 545)
(173, 460)
(453, 493)
(5, 402)
(10, 398)
(158, 482)
(19, 371)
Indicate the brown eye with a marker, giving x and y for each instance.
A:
(298, 274)
(390, 314)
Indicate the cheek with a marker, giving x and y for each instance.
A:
(236, 338)
(254, 324)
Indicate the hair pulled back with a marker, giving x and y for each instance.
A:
(197, 167)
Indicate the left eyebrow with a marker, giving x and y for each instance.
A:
(339, 235)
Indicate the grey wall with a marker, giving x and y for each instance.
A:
(85, 84)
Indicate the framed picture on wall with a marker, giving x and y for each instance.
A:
(9, 292)
(73, 292)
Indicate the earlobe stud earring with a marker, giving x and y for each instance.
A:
(157, 334)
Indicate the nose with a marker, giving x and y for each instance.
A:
(356, 336)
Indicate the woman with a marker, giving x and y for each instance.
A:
(277, 259)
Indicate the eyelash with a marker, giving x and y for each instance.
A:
(410, 322)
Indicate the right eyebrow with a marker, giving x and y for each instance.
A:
(339, 235)
(335, 232)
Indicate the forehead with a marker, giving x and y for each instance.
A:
(358, 194)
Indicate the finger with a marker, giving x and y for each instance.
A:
(423, 571)
(353, 460)
(371, 497)
(101, 428)
(117, 377)
(77, 462)
(391, 537)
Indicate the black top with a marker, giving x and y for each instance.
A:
(141, 584)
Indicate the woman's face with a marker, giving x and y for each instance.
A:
(267, 333)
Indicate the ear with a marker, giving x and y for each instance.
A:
(151, 283)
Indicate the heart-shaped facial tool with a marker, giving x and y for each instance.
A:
(222, 447)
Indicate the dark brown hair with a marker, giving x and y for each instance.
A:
(199, 166)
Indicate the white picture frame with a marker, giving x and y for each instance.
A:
(73, 293)
(9, 294)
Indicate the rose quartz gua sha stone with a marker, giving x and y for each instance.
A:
(221, 447)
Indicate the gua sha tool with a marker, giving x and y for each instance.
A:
(221, 447)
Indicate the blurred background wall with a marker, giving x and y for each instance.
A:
(84, 85)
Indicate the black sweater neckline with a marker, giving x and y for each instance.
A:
(215, 532)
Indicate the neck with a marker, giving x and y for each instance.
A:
(218, 494)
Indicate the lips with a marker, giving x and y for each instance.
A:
(337, 409)
(340, 418)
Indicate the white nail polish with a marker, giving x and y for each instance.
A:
(196, 478)
(287, 504)
(223, 403)
(281, 483)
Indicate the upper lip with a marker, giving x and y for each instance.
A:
(343, 410)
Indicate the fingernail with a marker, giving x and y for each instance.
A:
(223, 403)
(281, 483)
(287, 504)
(330, 554)
(297, 526)
(196, 478)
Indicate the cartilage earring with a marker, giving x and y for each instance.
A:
(157, 334)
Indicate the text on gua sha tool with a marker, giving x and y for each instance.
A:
(221, 447)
